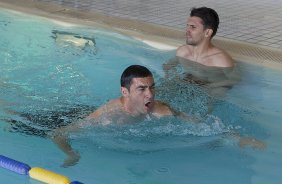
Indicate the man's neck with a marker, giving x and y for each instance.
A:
(127, 107)
(200, 51)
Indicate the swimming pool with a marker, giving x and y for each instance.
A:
(48, 81)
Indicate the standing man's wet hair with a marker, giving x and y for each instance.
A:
(133, 71)
(209, 16)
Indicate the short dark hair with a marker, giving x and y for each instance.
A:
(209, 16)
(133, 71)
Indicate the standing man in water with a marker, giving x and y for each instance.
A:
(201, 28)
(204, 64)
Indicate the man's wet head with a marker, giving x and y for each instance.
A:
(138, 89)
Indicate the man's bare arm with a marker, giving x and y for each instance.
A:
(61, 140)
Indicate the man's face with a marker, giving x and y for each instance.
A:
(195, 31)
(141, 95)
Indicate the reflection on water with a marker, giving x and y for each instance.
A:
(183, 97)
(216, 80)
(198, 85)
(66, 39)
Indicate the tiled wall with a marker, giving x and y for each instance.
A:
(253, 21)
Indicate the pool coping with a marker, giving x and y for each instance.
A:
(156, 35)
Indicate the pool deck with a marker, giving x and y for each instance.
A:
(248, 29)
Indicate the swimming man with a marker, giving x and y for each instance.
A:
(137, 102)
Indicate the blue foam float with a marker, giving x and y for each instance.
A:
(35, 172)
(14, 165)
(76, 182)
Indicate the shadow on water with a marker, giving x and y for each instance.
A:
(42, 122)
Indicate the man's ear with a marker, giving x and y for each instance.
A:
(124, 91)
(208, 32)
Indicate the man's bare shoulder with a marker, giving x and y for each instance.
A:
(112, 104)
(161, 109)
(183, 51)
(222, 59)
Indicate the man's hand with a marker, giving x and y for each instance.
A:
(250, 141)
(72, 159)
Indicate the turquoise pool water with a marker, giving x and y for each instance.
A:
(47, 81)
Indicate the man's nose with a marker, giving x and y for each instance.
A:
(149, 93)
(187, 29)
